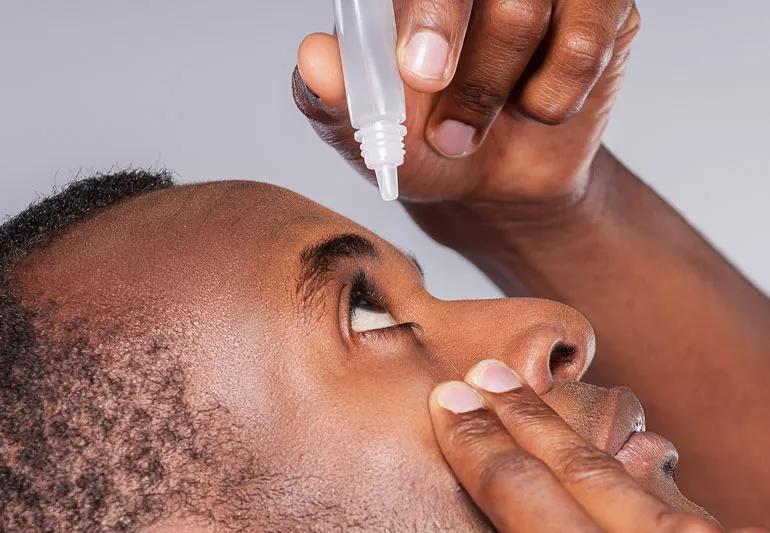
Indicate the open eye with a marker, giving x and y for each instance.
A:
(367, 315)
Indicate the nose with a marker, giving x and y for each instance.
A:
(543, 341)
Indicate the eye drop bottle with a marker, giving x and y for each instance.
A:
(366, 30)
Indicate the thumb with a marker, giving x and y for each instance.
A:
(319, 92)
(319, 64)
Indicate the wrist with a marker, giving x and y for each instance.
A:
(475, 227)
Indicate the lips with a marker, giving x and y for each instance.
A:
(612, 420)
(651, 460)
(622, 416)
(620, 432)
(644, 445)
(645, 455)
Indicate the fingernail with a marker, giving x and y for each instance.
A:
(453, 138)
(426, 55)
(458, 397)
(494, 376)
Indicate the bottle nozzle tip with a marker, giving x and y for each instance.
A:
(387, 180)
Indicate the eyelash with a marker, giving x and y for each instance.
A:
(363, 288)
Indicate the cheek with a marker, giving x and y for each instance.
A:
(385, 398)
(364, 434)
(374, 411)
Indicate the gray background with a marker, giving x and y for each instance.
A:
(202, 87)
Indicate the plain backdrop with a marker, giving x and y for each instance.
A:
(203, 88)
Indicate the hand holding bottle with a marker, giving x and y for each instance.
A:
(506, 100)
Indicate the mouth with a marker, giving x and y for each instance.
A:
(644, 454)
(627, 440)
(647, 441)
(624, 418)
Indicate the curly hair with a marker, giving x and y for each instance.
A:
(93, 437)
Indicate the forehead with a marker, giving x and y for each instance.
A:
(185, 242)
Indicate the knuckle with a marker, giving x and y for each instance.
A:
(519, 23)
(473, 428)
(679, 522)
(499, 472)
(526, 411)
(633, 24)
(549, 107)
(583, 54)
(480, 99)
(580, 464)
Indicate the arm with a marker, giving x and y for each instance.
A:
(533, 200)
(673, 319)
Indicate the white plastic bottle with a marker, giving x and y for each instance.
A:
(366, 30)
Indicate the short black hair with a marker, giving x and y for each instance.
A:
(51, 389)
(26, 355)
(103, 434)
(43, 220)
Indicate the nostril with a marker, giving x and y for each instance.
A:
(562, 356)
(668, 468)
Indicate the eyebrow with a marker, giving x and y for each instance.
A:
(317, 260)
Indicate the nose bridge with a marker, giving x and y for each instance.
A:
(522, 332)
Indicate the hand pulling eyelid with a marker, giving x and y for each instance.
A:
(366, 30)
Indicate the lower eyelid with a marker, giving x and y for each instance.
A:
(399, 329)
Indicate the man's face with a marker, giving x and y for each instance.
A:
(323, 345)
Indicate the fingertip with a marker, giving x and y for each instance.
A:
(425, 61)
(318, 61)
(422, 85)
(457, 397)
(433, 400)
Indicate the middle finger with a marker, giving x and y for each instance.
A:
(597, 481)
(503, 35)
(516, 491)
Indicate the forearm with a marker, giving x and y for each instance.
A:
(673, 319)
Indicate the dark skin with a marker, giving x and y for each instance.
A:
(536, 202)
(256, 282)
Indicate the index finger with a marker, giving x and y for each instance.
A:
(430, 39)
(612, 498)
(515, 490)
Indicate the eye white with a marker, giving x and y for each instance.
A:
(367, 318)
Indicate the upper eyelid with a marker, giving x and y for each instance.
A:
(380, 297)
(364, 284)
